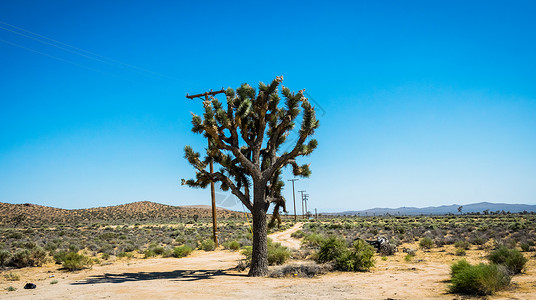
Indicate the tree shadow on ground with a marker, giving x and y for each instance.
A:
(177, 275)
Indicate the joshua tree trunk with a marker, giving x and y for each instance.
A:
(259, 259)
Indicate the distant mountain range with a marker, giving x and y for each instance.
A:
(443, 210)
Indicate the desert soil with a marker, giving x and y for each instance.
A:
(210, 275)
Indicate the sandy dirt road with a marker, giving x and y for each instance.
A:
(285, 239)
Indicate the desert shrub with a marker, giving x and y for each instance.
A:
(277, 254)
(182, 251)
(128, 255)
(232, 245)
(12, 276)
(426, 243)
(331, 249)
(207, 245)
(456, 267)
(73, 261)
(462, 245)
(481, 279)
(478, 241)
(460, 252)
(158, 250)
(359, 258)
(247, 251)
(297, 234)
(149, 253)
(4, 257)
(302, 270)
(409, 257)
(512, 259)
(10, 289)
(525, 247)
(313, 239)
(28, 258)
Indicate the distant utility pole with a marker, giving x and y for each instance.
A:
(294, 195)
(212, 191)
(305, 199)
(302, 208)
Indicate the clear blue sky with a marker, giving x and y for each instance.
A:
(421, 103)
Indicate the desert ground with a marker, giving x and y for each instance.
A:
(212, 275)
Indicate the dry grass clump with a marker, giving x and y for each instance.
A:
(307, 270)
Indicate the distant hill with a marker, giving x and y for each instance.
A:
(137, 212)
(443, 210)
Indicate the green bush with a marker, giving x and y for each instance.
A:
(458, 266)
(158, 250)
(182, 251)
(4, 257)
(232, 245)
(297, 234)
(525, 247)
(426, 243)
(28, 258)
(409, 257)
(313, 239)
(462, 245)
(331, 249)
(247, 252)
(481, 279)
(277, 254)
(460, 252)
(512, 259)
(359, 258)
(149, 253)
(73, 261)
(207, 245)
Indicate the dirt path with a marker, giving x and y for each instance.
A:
(285, 239)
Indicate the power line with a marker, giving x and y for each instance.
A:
(83, 66)
(60, 59)
(111, 61)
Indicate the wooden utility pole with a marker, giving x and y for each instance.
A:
(305, 199)
(293, 196)
(212, 191)
(302, 208)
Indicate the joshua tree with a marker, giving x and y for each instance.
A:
(245, 137)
